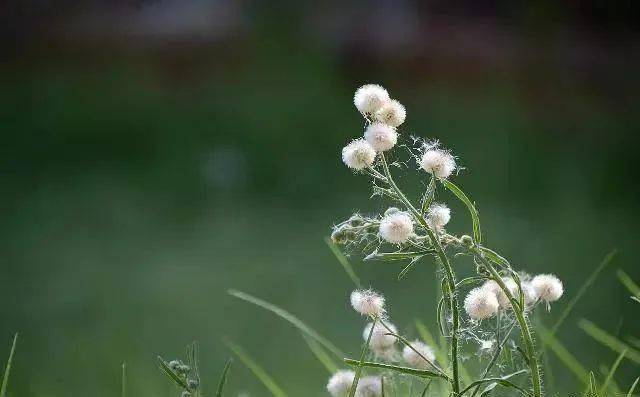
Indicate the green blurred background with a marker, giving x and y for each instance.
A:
(157, 153)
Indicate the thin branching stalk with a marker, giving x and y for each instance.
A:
(523, 323)
(495, 356)
(405, 342)
(450, 275)
(363, 354)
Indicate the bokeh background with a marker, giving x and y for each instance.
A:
(156, 153)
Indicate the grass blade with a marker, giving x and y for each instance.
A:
(428, 196)
(563, 354)
(583, 288)
(614, 368)
(257, 370)
(493, 382)
(633, 387)
(629, 283)
(320, 353)
(344, 262)
(359, 364)
(610, 341)
(475, 218)
(420, 373)
(291, 319)
(223, 377)
(178, 381)
(7, 369)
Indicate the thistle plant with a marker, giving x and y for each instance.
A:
(415, 231)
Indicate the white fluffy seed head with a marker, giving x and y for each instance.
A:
(358, 154)
(481, 303)
(369, 386)
(438, 162)
(416, 360)
(381, 137)
(380, 341)
(396, 227)
(340, 383)
(391, 113)
(530, 296)
(438, 216)
(503, 300)
(367, 302)
(370, 98)
(547, 287)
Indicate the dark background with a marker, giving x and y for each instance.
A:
(156, 153)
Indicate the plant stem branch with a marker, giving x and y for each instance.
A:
(523, 323)
(450, 276)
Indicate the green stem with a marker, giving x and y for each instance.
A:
(450, 276)
(363, 353)
(523, 323)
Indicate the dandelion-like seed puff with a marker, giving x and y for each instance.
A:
(547, 287)
(415, 360)
(438, 162)
(481, 303)
(368, 303)
(369, 386)
(381, 339)
(396, 227)
(340, 383)
(370, 98)
(381, 137)
(358, 154)
(391, 113)
(438, 216)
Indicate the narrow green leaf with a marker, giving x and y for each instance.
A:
(192, 359)
(629, 283)
(439, 315)
(614, 368)
(613, 385)
(428, 196)
(633, 387)
(581, 291)
(257, 370)
(363, 353)
(475, 218)
(408, 268)
(396, 256)
(593, 385)
(320, 353)
(495, 257)
(420, 373)
(469, 280)
(177, 380)
(7, 368)
(563, 354)
(223, 377)
(344, 262)
(493, 382)
(290, 318)
(610, 341)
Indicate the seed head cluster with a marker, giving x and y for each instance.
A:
(368, 303)
(396, 227)
(416, 233)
